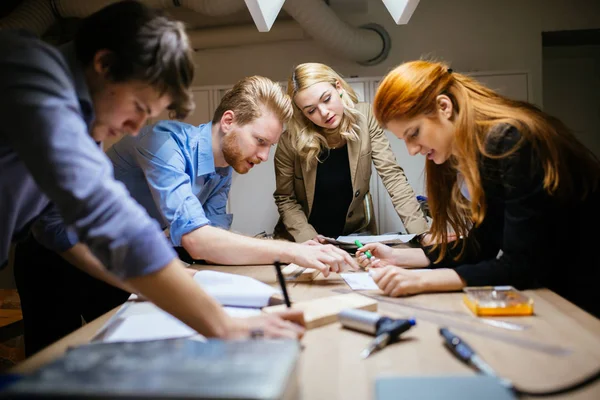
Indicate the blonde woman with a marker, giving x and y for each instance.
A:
(323, 163)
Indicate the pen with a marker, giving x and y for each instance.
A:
(465, 353)
(282, 284)
(359, 244)
(385, 329)
(388, 330)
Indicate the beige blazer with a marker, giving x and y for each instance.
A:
(295, 189)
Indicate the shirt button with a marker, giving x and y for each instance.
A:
(357, 193)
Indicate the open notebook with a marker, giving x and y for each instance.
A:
(242, 296)
(236, 290)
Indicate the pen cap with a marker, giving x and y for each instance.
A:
(359, 320)
(395, 327)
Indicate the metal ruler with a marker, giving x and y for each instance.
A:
(449, 319)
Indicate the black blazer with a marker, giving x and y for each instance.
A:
(545, 241)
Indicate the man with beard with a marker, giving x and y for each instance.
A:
(182, 175)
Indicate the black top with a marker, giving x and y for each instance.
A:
(333, 193)
(545, 241)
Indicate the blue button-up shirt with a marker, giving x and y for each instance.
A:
(47, 155)
(169, 169)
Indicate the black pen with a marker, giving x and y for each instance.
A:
(282, 284)
(465, 353)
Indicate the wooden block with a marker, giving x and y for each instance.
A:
(323, 311)
(299, 274)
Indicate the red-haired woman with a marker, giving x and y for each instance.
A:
(510, 180)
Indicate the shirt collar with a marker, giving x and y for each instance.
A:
(206, 161)
(81, 87)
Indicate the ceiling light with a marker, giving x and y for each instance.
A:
(264, 12)
(401, 10)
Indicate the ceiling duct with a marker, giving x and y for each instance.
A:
(368, 45)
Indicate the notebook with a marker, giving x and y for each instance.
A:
(168, 369)
(236, 290)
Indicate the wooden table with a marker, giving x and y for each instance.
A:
(331, 367)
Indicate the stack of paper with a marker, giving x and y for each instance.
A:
(359, 281)
(235, 290)
(393, 238)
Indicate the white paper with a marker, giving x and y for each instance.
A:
(359, 280)
(150, 326)
(144, 321)
(375, 238)
(235, 290)
(149, 308)
(242, 312)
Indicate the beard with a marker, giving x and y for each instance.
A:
(233, 153)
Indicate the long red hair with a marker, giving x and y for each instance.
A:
(411, 90)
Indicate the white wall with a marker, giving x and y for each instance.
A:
(472, 35)
(475, 35)
(571, 90)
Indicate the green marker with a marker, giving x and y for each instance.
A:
(359, 244)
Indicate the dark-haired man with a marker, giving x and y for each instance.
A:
(127, 63)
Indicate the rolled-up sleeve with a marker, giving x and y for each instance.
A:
(164, 166)
(45, 127)
(215, 208)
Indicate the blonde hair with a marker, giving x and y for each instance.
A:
(248, 97)
(411, 89)
(308, 139)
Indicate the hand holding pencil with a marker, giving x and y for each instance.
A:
(374, 255)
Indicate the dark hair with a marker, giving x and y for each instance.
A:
(145, 45)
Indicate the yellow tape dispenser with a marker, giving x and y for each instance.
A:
(497, 300)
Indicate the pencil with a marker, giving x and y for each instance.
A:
(282, 284)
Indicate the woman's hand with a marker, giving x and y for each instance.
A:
(319, 239)
(396, 281)
(381, 255)
(427, 239)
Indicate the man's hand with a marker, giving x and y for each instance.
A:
(325, 258)
(278, 325)
(191, 271)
